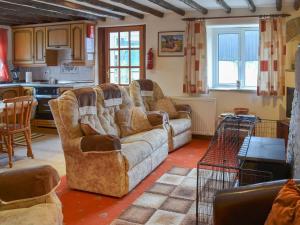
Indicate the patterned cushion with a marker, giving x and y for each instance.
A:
(132, 121)
(179, 126)
(166, 105)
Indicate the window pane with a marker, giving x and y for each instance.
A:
(135, 39)
(228, 47)
(113, 40)
(251, 45)
(135, 57)
(251, 71)
(124, 58)
(114, 58)
(135, 73)
(124, 76)
(228, 72)
(124, 40)
(114, 75)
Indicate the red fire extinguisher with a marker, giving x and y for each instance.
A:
(150, 59)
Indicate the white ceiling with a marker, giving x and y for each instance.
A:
(209, 4)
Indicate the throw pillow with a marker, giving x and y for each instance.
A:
(286, 207)
(166, 105)
(132, 121)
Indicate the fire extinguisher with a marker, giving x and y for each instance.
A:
(150, 59)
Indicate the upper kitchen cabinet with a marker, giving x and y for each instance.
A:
(23, 52)
(58, 36)
(40, 45)
(82, 43)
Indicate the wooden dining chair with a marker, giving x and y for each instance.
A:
(15, 118)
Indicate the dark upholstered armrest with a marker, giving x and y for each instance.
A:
(246, 205)
(183, 108)
(158, 118)
(100, 143)
(21, 184)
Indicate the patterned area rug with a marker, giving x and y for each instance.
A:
(170, 201)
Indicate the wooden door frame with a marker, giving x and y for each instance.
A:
(102, 57)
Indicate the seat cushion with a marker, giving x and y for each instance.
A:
(136, 152)
(155, 138)
(179, 126)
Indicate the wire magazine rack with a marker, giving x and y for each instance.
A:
(220, 167)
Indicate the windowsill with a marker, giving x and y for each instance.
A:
(233, 89)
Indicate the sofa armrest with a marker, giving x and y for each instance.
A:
(100, 143)
(246, 205)
(29, 183)
(157, 118)
(183, 108)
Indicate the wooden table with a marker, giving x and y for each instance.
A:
(265, 154)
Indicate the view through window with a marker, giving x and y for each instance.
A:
(125, 54)
(235, 57)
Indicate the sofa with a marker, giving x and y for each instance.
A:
(179, 125)
(107, 163)
(27, 197)
(246, 205)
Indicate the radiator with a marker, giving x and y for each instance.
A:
(204, 110)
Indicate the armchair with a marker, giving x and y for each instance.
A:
(246, 205)
(179, 125)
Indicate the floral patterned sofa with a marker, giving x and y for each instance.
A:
(27, 196)
(107, 163)
(180, 115)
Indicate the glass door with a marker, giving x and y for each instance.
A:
(125, 56)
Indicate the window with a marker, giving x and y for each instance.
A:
(235, 56)
(125, 57)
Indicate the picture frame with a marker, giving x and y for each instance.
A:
(171, 44)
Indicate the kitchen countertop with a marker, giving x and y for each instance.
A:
(46, 84)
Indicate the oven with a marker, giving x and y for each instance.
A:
(43, 95)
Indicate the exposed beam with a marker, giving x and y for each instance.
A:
(297, 4)
(36, 11)
(113, 8)
(140, 7)
(195, 5)
(278, 5)
(25, 19)
(252, 6)
(12, 20)
(224, 5)
(166, 5)
(82, 8)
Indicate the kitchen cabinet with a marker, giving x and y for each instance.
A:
(77, 42)
(23, 46)
(58, 36)
(40, 45)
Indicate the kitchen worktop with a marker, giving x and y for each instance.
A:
(46, 84)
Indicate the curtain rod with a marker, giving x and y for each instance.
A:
(231, 17)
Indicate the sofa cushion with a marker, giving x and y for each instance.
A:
(132, 121)
(136, 152)
(154, 138)
(180, 125)
(166, 105)
(100, 143)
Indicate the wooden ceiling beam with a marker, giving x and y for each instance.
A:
(113, 8)
(140, 7)
(252, 6)
(195, 5)
(296, 4)
(224, 5)
(278, 5)
(36, 11)
(14, 21)
(78, 8)
(25, 19)
(166, 5)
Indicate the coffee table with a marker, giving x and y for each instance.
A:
(264, 154)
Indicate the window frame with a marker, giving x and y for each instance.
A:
(241, 61)
(119, 29)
